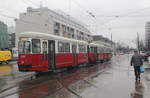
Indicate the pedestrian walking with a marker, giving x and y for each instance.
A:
(136, 62)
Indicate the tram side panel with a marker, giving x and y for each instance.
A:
(91, 57)
(68, 54)
(64, 60)
(32, 62)
(82, 58)
(63, 55)
(100, 57)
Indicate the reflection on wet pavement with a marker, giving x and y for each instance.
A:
(139, 90)
(5, 70)
(63, 93)
(10, 76)
(109, 80)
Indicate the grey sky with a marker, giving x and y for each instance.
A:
(133, 15)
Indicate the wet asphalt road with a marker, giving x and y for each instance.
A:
(113, 79)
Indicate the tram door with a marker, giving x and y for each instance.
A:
(74, 53)
(95, 53)
(51, 54)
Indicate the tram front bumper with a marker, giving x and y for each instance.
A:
(24, 68)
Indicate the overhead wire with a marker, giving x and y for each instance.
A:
(126, 14)
(95, 16)
(89, 12)
(4, 15)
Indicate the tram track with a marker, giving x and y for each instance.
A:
(15, 82)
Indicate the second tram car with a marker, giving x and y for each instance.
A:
(44, 52)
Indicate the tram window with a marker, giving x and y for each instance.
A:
(44, 47)
(103, 49)
(82, 49)
(20, 46)
(95, 49)
(74, 48)
(67, 47)
(24, 46)
(92, 49)
(60, 47)
(36, 46)
(100, 49)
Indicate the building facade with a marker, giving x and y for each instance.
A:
(3, 36)
(147, 36)
(51, 22)
(12, 39)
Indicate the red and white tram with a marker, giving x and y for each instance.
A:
(97, 52)
(44, 52)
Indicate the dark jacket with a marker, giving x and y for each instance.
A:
(136, 60)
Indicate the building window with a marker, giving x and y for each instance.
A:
(68, 29)
(72, 32)
(64, 30)
(45, 25)
(56, 28)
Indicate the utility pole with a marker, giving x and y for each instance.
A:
(110, 35)
(138, 42)
(111, 39)
(41, 4)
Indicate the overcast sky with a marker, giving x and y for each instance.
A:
(132, 15)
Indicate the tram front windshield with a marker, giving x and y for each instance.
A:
(24, 47)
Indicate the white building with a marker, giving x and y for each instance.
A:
(48, 21)
(147, 35)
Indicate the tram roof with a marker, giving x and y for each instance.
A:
(48, 37)
(100, 45)
(96, 44)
